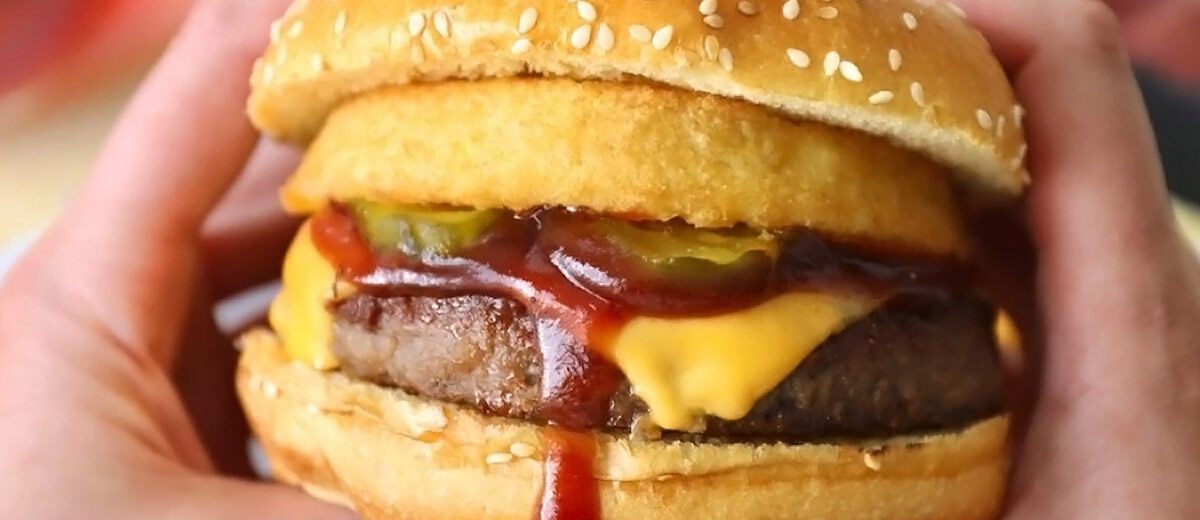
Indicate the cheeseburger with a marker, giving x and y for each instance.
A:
(635, 259)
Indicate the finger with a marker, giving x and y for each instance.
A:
(184, 137)
(203, 375)
(1108, 267)
(246, 236)
(132, 233)
(1098, 206)
(211, 498)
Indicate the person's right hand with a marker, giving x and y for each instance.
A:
(1113, 429)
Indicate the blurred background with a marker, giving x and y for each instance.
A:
(67, 67)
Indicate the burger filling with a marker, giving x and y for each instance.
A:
(595, 321)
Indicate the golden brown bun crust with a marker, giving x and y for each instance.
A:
(393, 456)
(963, 112)
(662, 153)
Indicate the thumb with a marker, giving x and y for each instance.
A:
(215, 498)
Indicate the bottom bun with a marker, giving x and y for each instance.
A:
(390, 455)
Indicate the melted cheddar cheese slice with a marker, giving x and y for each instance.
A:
(299, 315)
(684, 368)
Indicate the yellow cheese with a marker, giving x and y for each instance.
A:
(299, 314)
(686, 369)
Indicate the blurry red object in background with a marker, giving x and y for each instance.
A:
(62, 47)
(1164, 35)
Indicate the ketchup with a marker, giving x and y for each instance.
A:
(576, 326)
(336, 236)
(569, 485)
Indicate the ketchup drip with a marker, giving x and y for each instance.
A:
(569, 486)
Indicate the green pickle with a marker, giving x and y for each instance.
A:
(686, 247)
(422, 231)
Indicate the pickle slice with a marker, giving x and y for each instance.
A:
(421, 231)
(685, 247)
(661, 268)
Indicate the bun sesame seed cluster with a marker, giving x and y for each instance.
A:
(912, 71)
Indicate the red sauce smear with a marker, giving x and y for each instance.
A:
(569, 489)
(523, 258)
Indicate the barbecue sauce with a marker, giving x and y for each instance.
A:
(569, 489)
(576, 325)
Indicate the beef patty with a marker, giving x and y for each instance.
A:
(912, 366)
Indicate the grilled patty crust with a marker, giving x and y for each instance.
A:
(912, 366)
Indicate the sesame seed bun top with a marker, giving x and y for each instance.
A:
(913, 71)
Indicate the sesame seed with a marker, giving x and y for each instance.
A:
(708, 7)
(833, 60)
(799, 58)
(725, 58)
(317, 62)
(276, 29)
(881, 97)
(586, 10)
(715, 21)
(662, 37)
(872, 461)
(1018, 116)
(1019, 160)
(827, 12)
(418, 54)
(312, 409)
(269, 389)
(605, 39)
(522, 46)
(895, 60)
(850, 71)
(791, 9)
(581, 36)
(1000, 122)
(747, 8)
(522, 450)
(529, 18)
(441, 23)
(918, 93)
(339, 23)
(984, 119)
(640, 33)
(296, 29)
(416, 24)
(268, 73)
(910, 21)
(499, 458)
(430, 419)
(712, 46)
(954, 8)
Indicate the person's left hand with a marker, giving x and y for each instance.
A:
(116, 392)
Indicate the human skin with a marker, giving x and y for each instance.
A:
(115, 386)
(1163, 34)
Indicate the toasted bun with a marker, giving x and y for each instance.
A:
(630, 149)
(393, 456)
(909, 70)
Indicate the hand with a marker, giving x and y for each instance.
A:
(1113, 427)
(107, 339)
